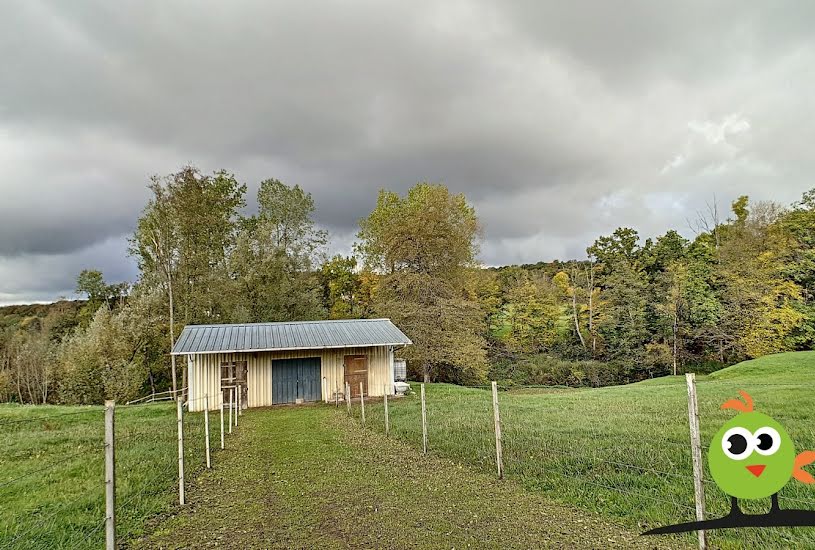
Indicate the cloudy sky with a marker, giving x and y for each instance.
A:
(559, 120)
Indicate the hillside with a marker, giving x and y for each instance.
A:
(20, 316)
(794, 367)
(622, 451)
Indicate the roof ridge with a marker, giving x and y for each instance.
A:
(320, 321)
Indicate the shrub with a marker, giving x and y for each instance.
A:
(546, 370)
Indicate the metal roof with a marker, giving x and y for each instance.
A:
(288, 336)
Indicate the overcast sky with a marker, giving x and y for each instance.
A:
(559, 120)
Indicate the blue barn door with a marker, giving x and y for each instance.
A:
(294, 379)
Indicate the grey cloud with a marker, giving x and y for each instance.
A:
(559, 121)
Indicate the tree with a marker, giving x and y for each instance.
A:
(760, 309)
(91, 283)
(799, 264)
(673, 307)
(30, 365)
(272, 264)
(532, 314)
(569, 290)
(620, 246)
(105, 361)
(623, 324)
(341, 286)
(431, 231)
(182, 241)
(422, 244)
(156, 247)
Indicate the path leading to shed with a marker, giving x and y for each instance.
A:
(307, 477)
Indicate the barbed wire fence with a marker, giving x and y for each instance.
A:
(112, 468)
(646, 459)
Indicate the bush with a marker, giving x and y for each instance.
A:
(546, 370)
(101, 362)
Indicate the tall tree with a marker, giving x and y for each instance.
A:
(341, 285)
(623, 325)
(422, 244)
(181, 243)
(532, 313)
(274, 258)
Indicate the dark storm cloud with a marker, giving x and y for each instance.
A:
(559, 121)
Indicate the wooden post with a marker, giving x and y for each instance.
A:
(696, 454)
(180, 414)
(499, 461)
(221, 408)
(348, 397)
(240, 401)
(231, 394)
(336, 396)
(110, 478)
(362, 401)
(206, 429)
(237, 404)
(424, 423)
(387, 420)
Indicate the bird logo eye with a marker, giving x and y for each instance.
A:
(738, 443)
(766, 441)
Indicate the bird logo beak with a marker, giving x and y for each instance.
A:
(756, 469)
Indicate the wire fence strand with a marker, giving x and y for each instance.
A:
(48, 417)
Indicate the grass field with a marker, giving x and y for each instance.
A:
(621, 451)
(52, 471)
(309, 477)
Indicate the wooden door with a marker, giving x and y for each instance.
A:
(356, 371)
(233, 374)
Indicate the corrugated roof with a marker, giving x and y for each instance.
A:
(290, 335)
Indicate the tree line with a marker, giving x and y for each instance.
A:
(742, 287)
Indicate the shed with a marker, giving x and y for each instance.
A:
(291, 362)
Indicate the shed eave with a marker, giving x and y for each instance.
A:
(258, 350)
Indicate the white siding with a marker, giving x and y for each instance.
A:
(204, 373)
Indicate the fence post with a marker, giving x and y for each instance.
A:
(221, 408)
(362, 401)
(336, 396)
(240, 402)
(424, 423)
(387, 420)
(499, 460)
(348, 397)
(180, 414)
(696, 454)
(110, 478)
(231, 394)
(206, 429)
(237, 404)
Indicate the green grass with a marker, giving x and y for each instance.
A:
(52, 471)
(621, 451)
(309, 477)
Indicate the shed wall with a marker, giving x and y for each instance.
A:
(204, 373)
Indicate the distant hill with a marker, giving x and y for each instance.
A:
(21, 316)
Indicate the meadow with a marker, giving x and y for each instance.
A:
(622, 451)
(52, 471)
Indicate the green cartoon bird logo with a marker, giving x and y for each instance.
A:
(752, 456)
